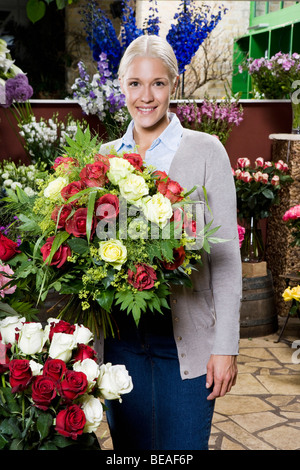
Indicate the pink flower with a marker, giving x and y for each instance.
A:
(4, 280)
(292, 213)
(280, 165)
(243, 162)
(258, 176)
(275, 181)
(246, 177)
(259, 162)
(267, 164)
(265, 178)
(241, 232)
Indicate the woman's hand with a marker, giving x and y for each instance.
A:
(221, 374)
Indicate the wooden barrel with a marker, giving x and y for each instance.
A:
(257, 315)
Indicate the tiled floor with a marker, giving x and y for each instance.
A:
(262, 412)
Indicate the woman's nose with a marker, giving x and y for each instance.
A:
(147, 95)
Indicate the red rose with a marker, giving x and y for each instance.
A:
(84, 351)
(64, 162)
(54, 368)
(102, 158)
(190, 226)
(4, 359)
(76, 225)
(174, 191)
(72, 189)
(20, 374)
(43, 391)
(70, 422)
(94, 174)
(61, 327)
(135, 159)
(179, 255)
(73, 385)
(64, 214)
(107, 207)
(8, 248)
(161, 181)
(143, 278)
(60, 256)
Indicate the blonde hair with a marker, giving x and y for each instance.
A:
(150, 46)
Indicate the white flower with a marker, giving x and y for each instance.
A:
(54, 187)
(82, 334)
(29, 191)
(36, 367)
(133, 188)
(31, 338)
(91, 369)
(114, 381)
(9, 327)
(61, 346)
(93, 411)
(120, 168)
(157, 209)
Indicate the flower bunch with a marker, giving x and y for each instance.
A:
(44, 138)
(257, 188)
(292, 295)
(101, 95)
(193, 24)
(274, 77)
(292, 219)
(52, 385)
(112, 232)
(14, 86)
(27, 177)
(216, 118)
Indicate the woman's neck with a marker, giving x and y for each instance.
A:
(144, 137)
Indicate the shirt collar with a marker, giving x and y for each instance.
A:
(170, 137)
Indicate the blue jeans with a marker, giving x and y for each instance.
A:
(162, 412)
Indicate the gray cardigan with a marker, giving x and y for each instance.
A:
(206, 317)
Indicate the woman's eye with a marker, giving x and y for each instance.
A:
(133, 84)
(159, 84)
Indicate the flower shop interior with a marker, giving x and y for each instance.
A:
(239, 81)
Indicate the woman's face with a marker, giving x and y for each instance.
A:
(147, 87)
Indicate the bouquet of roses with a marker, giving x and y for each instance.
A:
(292, 218)
(257, 188)
(274, 77)
(110, 233)
(211, 117)
(52, 386)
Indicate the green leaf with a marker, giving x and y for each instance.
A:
(3, 442)
(90, 214)
(44, 423)
(79, 245)
(268, 193)
(60, 238)
(106, 299)
(35, 10)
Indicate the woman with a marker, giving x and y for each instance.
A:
(182, 360)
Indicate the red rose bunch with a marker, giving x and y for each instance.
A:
(56, 391)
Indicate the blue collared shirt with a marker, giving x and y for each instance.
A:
(162, 150)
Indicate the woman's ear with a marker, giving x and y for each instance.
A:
(175, 84)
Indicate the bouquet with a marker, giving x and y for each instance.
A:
(101, 96)
(52, 386)
(257, 188)
(273, 78)
(212, 117)
(292, 218)
(109, 232)
(292, 294)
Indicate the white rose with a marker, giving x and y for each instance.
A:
(93, 411)
(133, 188)
(114, 381)
(47, 327)
(119, 168)
(82, 334)
(157, 209)
(91, 369)
(9, 327)
(61, 346)
(35, 367)
(31, 338)
(54, 187)
(113, 252)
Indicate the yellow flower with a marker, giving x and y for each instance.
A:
(113, 252)
(290, 294)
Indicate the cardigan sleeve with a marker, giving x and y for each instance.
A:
(225, 259)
